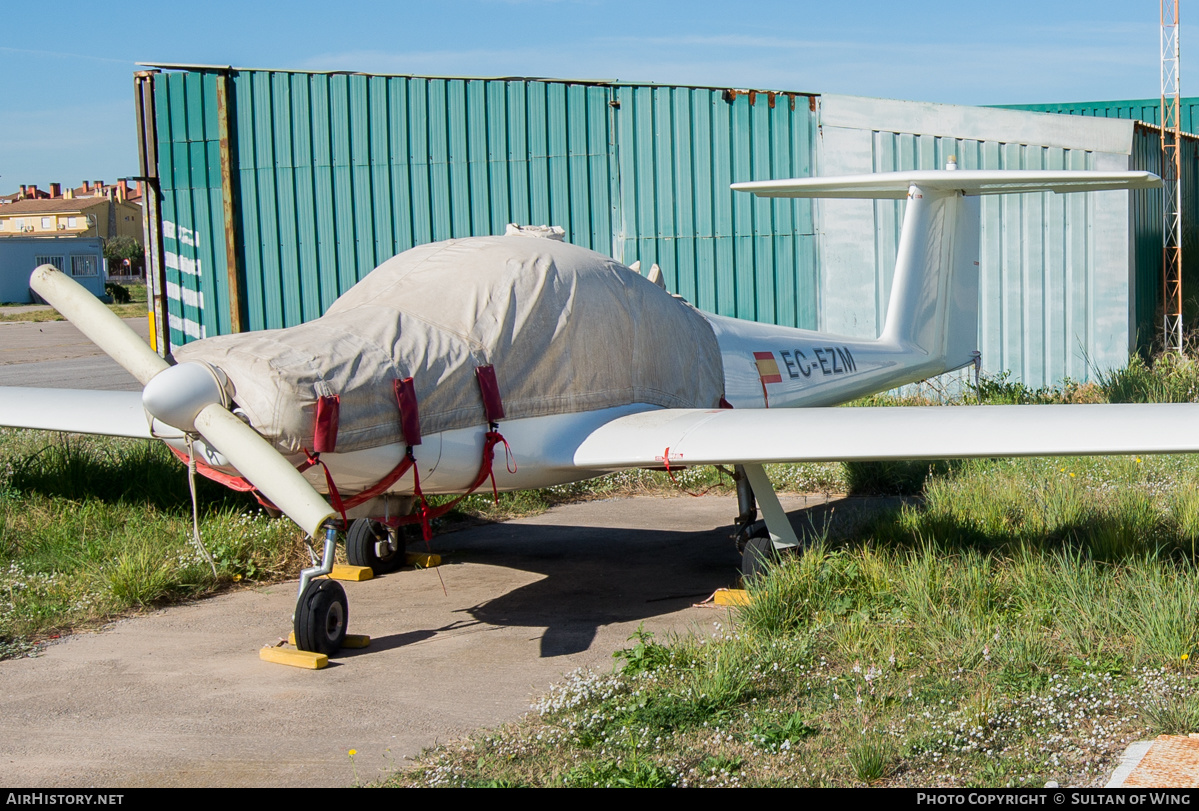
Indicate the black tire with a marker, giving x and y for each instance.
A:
(362, 549)
(758, 556)
(322, 617)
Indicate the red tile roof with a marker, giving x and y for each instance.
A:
(31, 207)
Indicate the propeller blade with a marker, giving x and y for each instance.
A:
(246, 450)
(97, 322)
(264, 467)
(192, 397)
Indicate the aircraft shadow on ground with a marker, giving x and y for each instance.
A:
(593, 576)
(596, 576)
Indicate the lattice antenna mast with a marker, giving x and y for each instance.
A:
(1171, 172)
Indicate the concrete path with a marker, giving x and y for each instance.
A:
(180, 698)
(54, 354)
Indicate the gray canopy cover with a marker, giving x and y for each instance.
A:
(566, 329)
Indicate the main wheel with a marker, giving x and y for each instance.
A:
(366, 539)
(759, 554)
(321, 617)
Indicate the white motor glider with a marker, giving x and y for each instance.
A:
(581, 367)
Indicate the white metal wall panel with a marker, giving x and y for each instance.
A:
(1055, 270)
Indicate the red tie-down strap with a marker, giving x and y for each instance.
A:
(669, 472)
(425, 515)
(325, 439)
(493, 412)
(406, 401)
(324, 433)
(489, 388)
(238, 483)
(334, 495)
(232, 482)
(405, 394)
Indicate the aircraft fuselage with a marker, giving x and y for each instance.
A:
(765, 366)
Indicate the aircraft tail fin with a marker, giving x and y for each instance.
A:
(933, 308)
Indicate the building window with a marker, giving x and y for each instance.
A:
(47, 223)
(72, 222)
(48, 260)
(85, 266)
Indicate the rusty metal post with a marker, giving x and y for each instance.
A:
(147, 154)
(229, 205)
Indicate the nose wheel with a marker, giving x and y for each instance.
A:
(322, 615)
(322, 611)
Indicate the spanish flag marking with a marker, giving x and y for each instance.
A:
(768, 368)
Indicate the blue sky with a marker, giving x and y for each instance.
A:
(66, 99)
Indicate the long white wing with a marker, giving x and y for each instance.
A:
(700, 437)
(112, 413)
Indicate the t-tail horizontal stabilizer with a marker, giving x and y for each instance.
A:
(932, 315)
(970, 182)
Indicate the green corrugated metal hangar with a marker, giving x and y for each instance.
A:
(280, 189)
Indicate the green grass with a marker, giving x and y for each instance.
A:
(1008, 623)
(868, 664)
(38, 316)
(797, 478)
(91, 528)
(136, 308)
(1169, 379)
(1108, 509)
